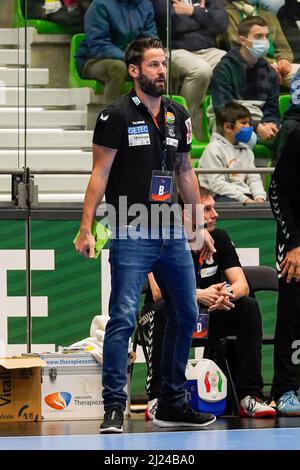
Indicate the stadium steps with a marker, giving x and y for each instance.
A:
(56, 135)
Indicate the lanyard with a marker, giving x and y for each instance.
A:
(199, 267)
(162, 135)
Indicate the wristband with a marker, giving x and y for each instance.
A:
(200, 227)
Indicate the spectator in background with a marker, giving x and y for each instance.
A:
(270, 5)
(289, 19)
(66, 13)
(110, 25)
(244, 76)
(279, 53)
(227, 149)
(195, 27)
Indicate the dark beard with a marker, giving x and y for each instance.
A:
(150, 87)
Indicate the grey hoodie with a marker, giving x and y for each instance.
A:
(221, 153)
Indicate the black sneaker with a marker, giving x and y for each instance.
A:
(168, 416)
(113, 418)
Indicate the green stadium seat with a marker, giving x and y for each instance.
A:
(284, 101)
(197, 146)
(76, 81)
(42, 26)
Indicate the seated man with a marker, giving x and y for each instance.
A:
(279, 53)
(228, 149)
(245, 77)
(195, 27)
(229, 312)
(110, 25)
(66, 13)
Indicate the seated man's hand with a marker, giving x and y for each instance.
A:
(266, 130)
(182, 9)
(223, 303)
(259, 200)
(210, 295)
(284, 66)
(274, 65)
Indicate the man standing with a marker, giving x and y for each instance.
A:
(245, 77)
(138, 141)
(284, 199)
(110, 25)
(195, 27)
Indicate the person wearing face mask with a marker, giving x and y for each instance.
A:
(244, 76)
(228, 149)
(279, 53)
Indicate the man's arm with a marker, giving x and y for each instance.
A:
(98, 34)
(271, 107)
(149, 27)
(222, 91)
(103, 158)
(189, 190)
(239, 285)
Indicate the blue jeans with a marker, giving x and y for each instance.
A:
(171, 262)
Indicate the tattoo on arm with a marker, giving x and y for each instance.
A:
(182, 163)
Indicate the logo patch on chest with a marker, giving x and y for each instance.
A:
(138, 135)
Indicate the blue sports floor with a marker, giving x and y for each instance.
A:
(225, 434)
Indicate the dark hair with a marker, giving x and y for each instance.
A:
(204, 192)
(231, 112)
(134, 53)
(246, 24)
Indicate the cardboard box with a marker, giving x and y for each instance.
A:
(71, 387)
(20, 389)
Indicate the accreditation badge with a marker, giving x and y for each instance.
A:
(162, 186)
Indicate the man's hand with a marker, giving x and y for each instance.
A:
(259, 200)
(223, 303)
(85, 244)
(182, 9)
(274, 65)
(210, 295)
(208, 248)
(266, 130)
(291, 265)
(284, 66)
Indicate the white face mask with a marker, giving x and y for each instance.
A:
(259, 48)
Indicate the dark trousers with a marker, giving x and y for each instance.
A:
(287, 333)
(244, 321)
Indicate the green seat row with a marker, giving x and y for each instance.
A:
(42, 26)
(198, 147)
(75, 80)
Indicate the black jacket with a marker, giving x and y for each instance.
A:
(195, 32)
(284, 191)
